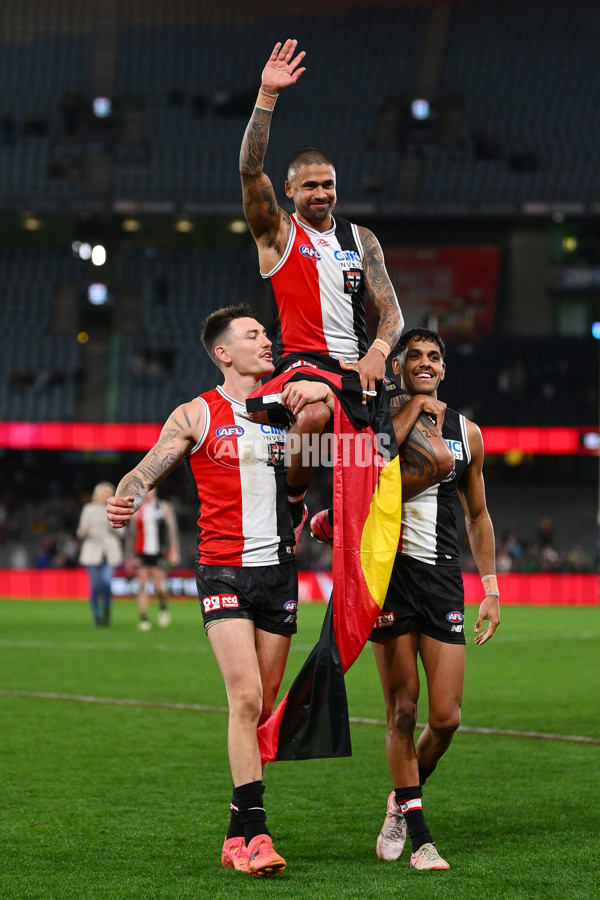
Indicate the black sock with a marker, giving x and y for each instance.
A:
(424, 773)
(236, 829)
(295, 497)
(409, 801)
(249, 801)
(162, 603)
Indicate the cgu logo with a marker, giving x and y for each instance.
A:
(347, 256)
(310, 251)
(456, 447)
(229, 431)
(455, 617)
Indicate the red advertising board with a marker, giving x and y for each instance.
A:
(450, 289)
(516, 589)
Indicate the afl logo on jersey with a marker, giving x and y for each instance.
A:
(310, 251)
(229, 431)
(455, 617)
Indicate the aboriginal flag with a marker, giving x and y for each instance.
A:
(312, 719)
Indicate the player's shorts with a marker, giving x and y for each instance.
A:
(267, 595)
(425, 599)
(150, 560)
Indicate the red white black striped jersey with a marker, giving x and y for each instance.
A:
(429, 531)
(239, 470)
(147, 530)
(318, 287)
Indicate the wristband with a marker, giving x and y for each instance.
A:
(265, 100)
(490, 585)
(382, 346)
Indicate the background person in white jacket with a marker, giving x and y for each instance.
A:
(101, 551)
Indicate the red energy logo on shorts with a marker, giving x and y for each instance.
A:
(385, 620)
(220, 601)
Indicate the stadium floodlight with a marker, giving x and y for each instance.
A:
(85, 251)
(102, 107)
(98, 255)
(420, 109)
(97, 294)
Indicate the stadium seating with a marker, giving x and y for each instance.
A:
(40, 370)
(523, 73)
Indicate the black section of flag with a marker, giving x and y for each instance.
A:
(315, 723)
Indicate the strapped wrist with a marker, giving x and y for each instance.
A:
(490, 585)
(382, 346)
(265, 100)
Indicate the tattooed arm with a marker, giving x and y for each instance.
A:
(268, 223)
(426, 458)
(371, 367)
(180, 433)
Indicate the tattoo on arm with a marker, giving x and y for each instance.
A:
(420, 458)
(397, 402)
(381, 289)
(260, 204)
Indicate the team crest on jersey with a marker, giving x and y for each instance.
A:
(352, 279)
(276, 454)
(310, 251)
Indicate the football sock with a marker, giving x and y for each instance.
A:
(162, 603)
(249, 800)
(409, 801)
(236, 829)
(424, 773)
(296, 497)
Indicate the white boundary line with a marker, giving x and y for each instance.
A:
(378, 723)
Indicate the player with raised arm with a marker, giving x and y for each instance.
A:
(322, 269)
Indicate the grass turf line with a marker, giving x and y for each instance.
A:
(117, 802)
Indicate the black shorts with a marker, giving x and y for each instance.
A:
(267, 595)
(425, 599)
(150, 560)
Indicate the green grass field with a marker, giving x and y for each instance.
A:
(128, 798)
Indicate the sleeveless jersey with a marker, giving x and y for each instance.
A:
(147, 534)
(239, 470)
(429, 531)
(318, 293)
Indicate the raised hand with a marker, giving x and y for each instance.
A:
(281, 70)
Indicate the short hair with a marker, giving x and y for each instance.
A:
(308, 156)
(100, 487)
(218, 323)
(418, 334)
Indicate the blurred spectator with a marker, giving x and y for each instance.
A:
(101, 551)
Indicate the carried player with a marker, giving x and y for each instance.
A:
(322, 269)
(245, 570)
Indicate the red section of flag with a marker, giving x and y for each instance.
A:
(312, 719)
